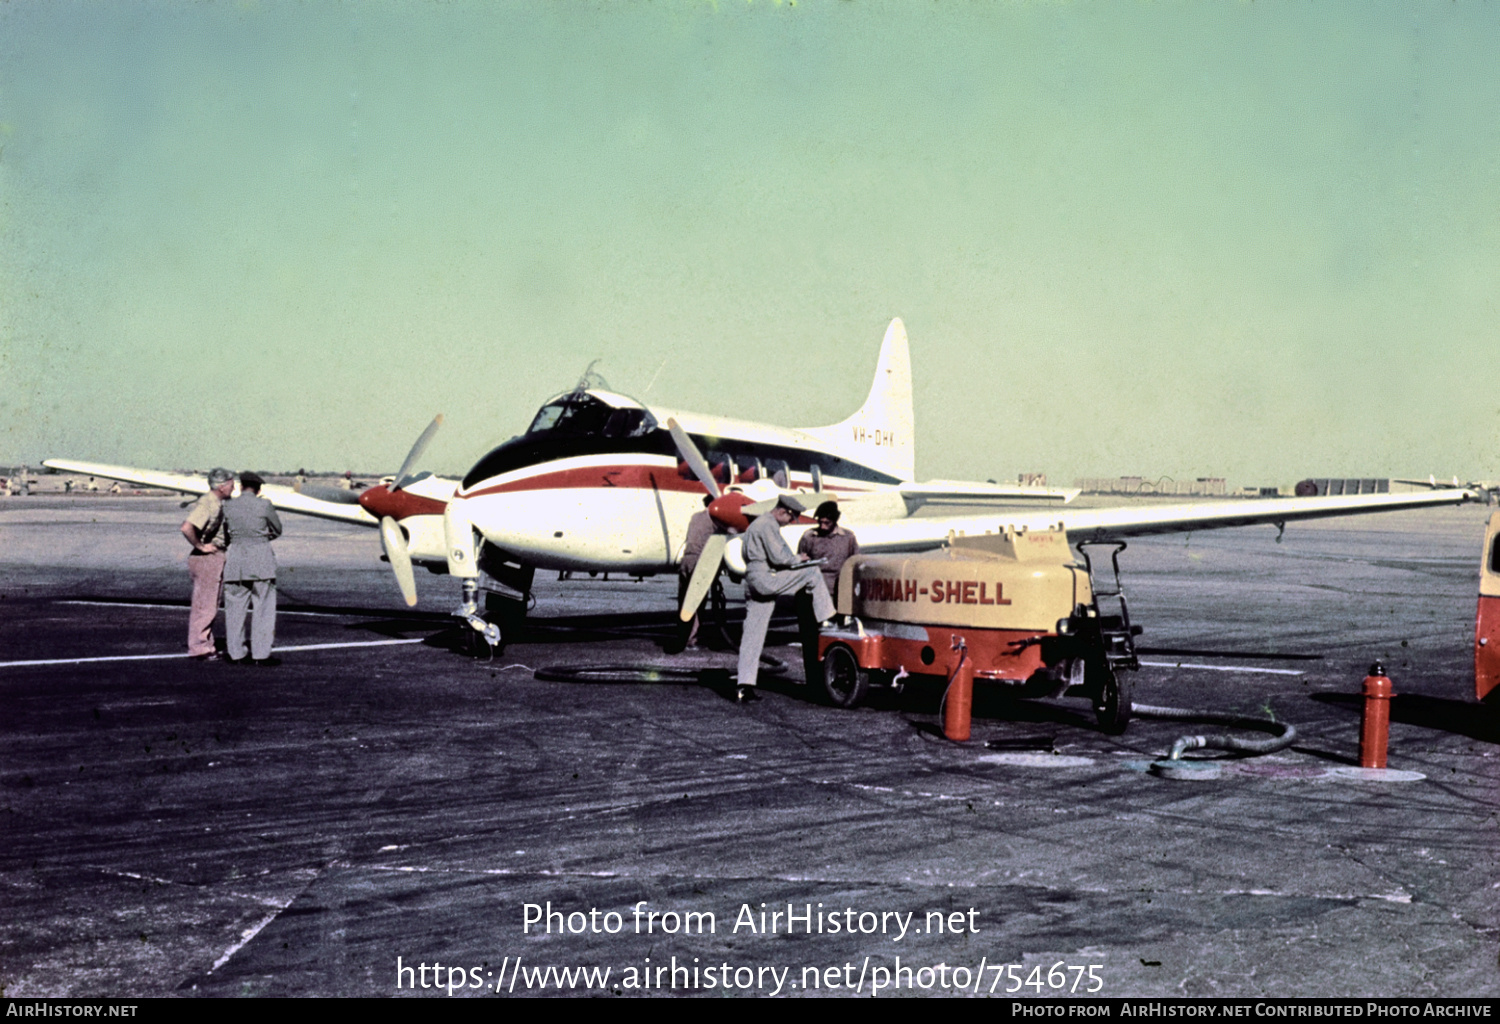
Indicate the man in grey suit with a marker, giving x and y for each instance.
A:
(250, 572)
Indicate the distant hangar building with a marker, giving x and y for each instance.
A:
(1204, 486)
(1322, 486)
(1215, 487)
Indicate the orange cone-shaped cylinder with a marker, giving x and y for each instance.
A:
(960, 702)
(1375, 726)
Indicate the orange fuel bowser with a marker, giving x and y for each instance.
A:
(1013, 608)
(1487, 619)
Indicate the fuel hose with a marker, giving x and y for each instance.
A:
(1283, 734)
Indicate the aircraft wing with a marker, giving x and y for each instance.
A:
(893, 535)
(284, 498)
(1144, 519)
(963, 492)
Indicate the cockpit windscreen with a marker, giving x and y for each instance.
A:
(580, 414)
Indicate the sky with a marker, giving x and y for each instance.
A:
(1251, 240)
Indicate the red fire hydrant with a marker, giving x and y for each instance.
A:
(1375, 725)
(958, 703)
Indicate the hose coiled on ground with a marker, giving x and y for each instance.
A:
(1284, 732)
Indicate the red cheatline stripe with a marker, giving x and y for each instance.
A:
(627, 476)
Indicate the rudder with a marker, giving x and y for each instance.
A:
(880, 434)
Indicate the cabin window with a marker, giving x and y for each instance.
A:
(1495, 555)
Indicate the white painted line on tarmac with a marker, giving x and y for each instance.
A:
(247, 935)
(354, 643)
(1036, 760)
(166, 657)
(183, 607)
(124, 604)
(84, 661)
(1224, 668)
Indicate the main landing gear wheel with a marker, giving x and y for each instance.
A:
(1112, 698)
(844, 682)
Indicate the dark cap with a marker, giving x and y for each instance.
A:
(827, 510)
(251, 480)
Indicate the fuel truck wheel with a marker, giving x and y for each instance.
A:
(1112, 697)
(844, 682)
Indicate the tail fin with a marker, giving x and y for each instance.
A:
(880, 434)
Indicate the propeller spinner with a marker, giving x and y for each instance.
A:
(388, 504)
(727, 509)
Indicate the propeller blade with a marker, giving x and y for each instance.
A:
(703, 575)
(400, 559)
(335, 494)
(693, 458)
(403, 475)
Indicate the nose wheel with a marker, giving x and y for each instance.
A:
(484, 632)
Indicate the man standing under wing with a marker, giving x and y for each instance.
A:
(771, 572)
(204, 530)
(700, 528)
(250, 572)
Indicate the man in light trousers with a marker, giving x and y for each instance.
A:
(770, 572)
(204, 530)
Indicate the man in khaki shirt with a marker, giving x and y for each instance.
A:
(830, 542)
(204, 530)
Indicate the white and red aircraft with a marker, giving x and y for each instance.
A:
(602, 482)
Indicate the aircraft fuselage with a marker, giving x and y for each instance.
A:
(608, 491)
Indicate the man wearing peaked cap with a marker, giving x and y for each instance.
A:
(204, 530)
(770, 572)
